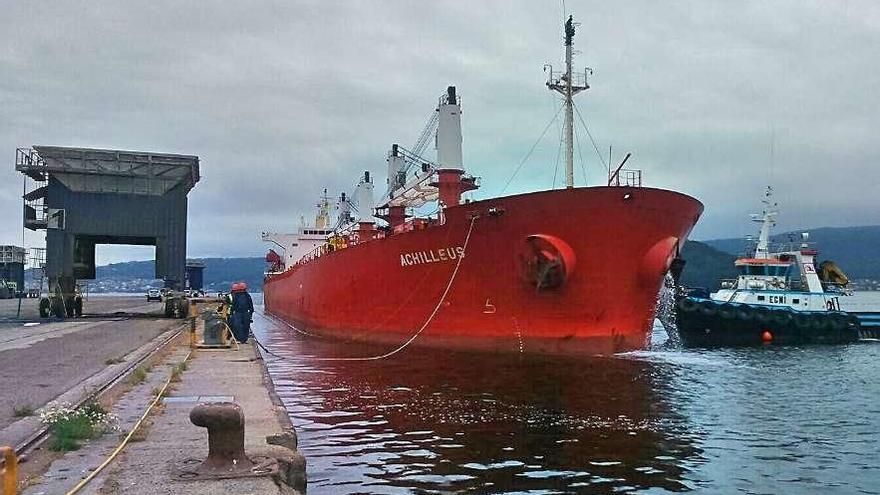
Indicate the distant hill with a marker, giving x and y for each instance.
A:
(220, 273)
(705, 265)
(855, 249)
(138, 276)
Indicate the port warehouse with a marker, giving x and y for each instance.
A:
(195, 277)
(84, 197)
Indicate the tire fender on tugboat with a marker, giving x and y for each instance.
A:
(727, 312)
(744, 313)
(837, 322)
(803, 322)
(709, 309)
(782, 317)
(763, 315)
(687, 305)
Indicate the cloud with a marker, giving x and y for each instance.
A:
(283, 99)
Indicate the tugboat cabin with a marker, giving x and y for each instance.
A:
(787, 279)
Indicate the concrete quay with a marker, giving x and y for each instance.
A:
(237, 376)
(151, 463)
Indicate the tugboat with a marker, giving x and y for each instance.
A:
(779, 296)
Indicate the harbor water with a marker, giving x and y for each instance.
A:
(769, 420)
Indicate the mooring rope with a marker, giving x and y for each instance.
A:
(412, 338)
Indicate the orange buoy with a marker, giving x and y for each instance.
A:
(767, 337)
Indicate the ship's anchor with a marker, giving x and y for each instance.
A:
(549, 272)
(549, 262)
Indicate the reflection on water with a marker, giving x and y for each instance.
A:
(434, 420)
(764, 420)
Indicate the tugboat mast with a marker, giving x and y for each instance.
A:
(565, 84)
(767, 219)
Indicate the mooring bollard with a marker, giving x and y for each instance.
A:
(225, 424)
(214, 329)
(10, 471)
(226, 455)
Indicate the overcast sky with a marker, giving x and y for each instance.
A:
(282, 99)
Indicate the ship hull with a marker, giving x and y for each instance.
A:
(613, 246)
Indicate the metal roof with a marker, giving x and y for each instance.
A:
(110, 171)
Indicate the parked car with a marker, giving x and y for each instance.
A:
(154, 295)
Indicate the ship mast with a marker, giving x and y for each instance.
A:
(565, 84)
(322, 219)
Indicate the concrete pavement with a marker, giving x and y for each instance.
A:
(40, 362)
(94, 304)
(146, 467)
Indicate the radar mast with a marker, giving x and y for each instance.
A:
(568, 84)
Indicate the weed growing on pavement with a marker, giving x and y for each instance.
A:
(22, 411)
(114, 360)
(141, 434)
(138, 376)
(70, 425)
(178, 370)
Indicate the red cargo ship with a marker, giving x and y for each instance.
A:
(569, 271)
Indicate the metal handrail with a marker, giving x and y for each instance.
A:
(352, 239)
(626, 177)
(775, 247)
(27, 158)
(579, 80)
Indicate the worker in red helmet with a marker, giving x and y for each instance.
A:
(227, 300)
(242, 312)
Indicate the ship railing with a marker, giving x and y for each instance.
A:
(337, 244)
(626, 177)
(323, 249)
(791, 246)
(354, 238)
(313, 254)
(557, 78)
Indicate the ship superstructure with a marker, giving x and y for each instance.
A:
(307, 238)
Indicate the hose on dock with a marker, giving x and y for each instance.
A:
(79, 486)
(414, 336)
